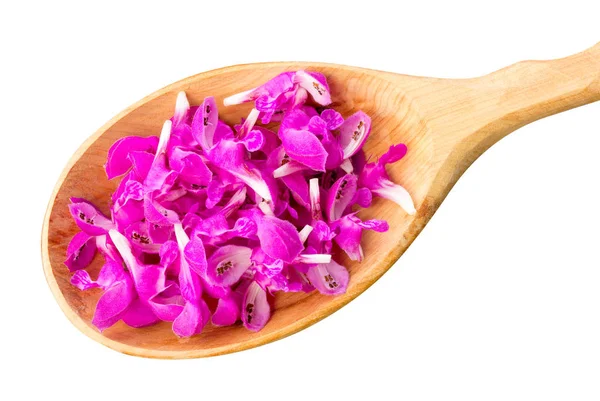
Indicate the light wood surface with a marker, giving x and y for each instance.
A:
(446, 124)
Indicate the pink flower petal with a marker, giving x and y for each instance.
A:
(140, 238)
(227, 312)
(192, 319)
(155, 213)
(340, 195)
(139, 314)
(196, 256)
(80, 251)
(89, 219)
(329, 279)
(332, 118)
(315, 84)
(227, 264)
(205, 123)
(278, 238)
(190, 166)
(256, 311)
(118, 163)
(354, 132)
(113, 304)
(304, 147)
(149, 280)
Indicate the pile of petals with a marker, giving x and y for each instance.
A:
(209, 220)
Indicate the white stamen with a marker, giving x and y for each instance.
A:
(182, 105)
(304, 233)
(288, 168)
(238, 98)
(123, 246)
(254, 181)
(265, 207)
(182, 237)
(314, 258)
(249, 123)
(165, 135)
(315, 196)
(398, 194)
(347, 166)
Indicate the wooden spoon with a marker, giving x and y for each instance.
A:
(446, 123)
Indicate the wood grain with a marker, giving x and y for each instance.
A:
(446, 124)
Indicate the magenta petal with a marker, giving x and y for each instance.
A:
(192, 319)
(215, 291)
(129, 206)
(167, 309)
(329, 279)
(142, 162)
(340, 195)
(214, 193)
(111, 272)
(270, 139)
(89, 219)
(253, 141)
(82, 280)
(318, 126)
(349, 231)
(227, 312)
(155, 213)
(113, 303)
(189, 281)
(304, 147)
(354, 132)
(190, 166)
(299, 188)
(139, 314)
(149, 280)
(256, 310)
(295, 119)
(118, 163)
(196, 256)
(228, 264)
(362, 197)
(315, 84)
(244, 227)
(374, 177)
(279, 238)
(169, 252)
(335, 154)
(332, 118)
(140, 238)
(168, 304)
(160, 234)
(229, 155)
(379, 226)
(160, 178)
(108, 249)
(348, 237)
(394, 153)
(205, 123)
(81, 251)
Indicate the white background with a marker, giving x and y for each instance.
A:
(497, 299)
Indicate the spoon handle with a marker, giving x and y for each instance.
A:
(529, 90)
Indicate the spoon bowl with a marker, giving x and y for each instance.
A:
(446, 124)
